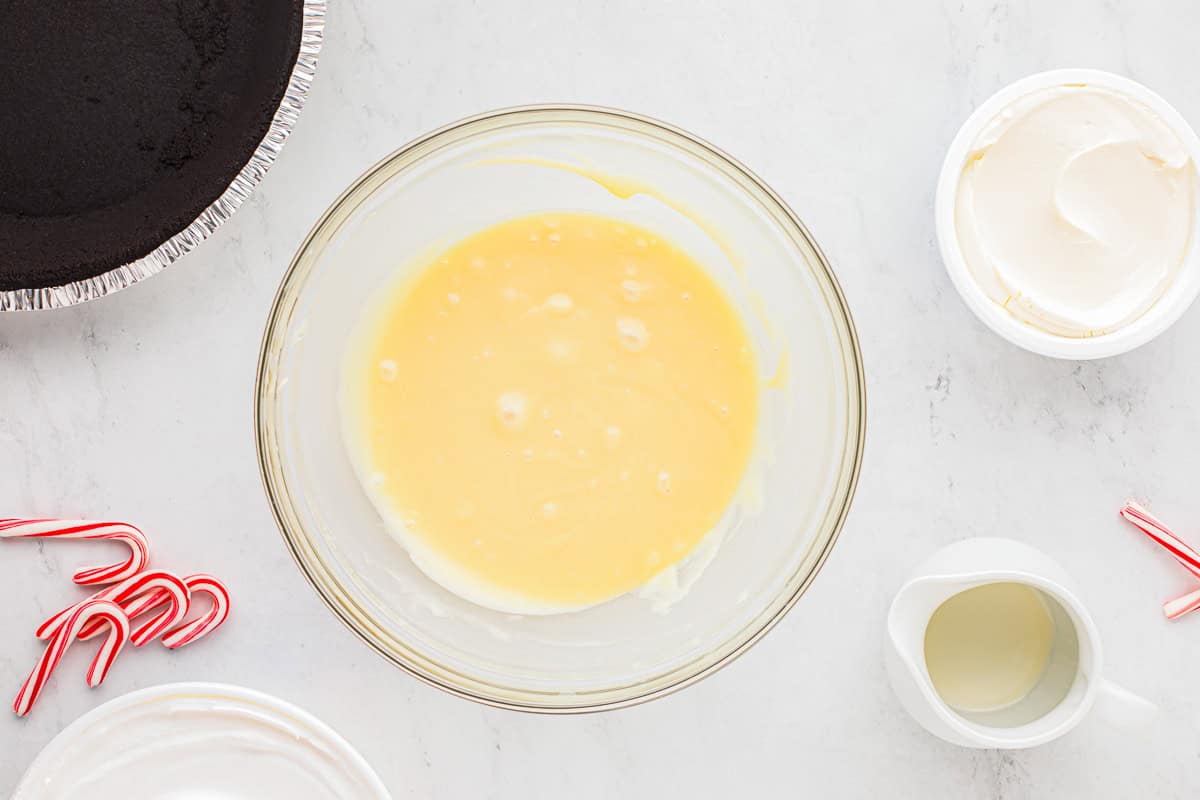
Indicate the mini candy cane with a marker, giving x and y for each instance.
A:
(134, 608)
(1185, 604)
(1185, 555)
(48, 628)
(118, 633)
(139, 555)
(188, 632)
(135, 596)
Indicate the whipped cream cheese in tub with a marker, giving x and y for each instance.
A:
(188, 741)
(1066, 213)
(1071, 676)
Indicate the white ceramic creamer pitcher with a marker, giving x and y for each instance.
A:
(1068, 688)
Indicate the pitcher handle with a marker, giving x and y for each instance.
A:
(1121, 708)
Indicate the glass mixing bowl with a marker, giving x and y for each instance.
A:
(553, 158)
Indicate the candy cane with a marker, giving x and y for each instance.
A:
(139, 548)
(188, 632)
(1185, 604)
(133, 609)
(203, 584)
(1150, 526)
(48, 628)
(153, 589)
(118, 633)
(135, 596)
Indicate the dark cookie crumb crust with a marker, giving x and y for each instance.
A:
(122, 120)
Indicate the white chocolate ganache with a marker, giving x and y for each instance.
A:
(1074, 209)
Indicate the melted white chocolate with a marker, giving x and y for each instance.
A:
(573, 408)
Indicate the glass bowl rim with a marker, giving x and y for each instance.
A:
(835, 514)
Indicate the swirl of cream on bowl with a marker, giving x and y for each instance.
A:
(199, 742)
(1074, 209)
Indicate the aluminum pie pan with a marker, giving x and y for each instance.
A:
(299, 86)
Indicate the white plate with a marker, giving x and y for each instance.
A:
(186, 741)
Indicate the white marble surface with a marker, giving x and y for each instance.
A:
(139, 407)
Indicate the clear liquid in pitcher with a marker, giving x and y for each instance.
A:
(988, 647)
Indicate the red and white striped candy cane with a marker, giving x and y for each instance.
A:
(139, 555)
(139, 605)
(135, 596)
(1185, 555)
(118, 633)
(132, 608)
(1185, 604)
(48, 628)
(188, 632)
